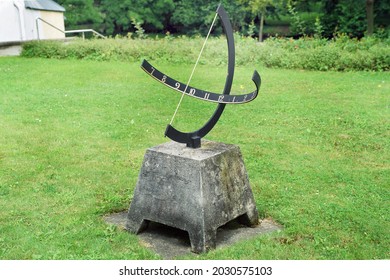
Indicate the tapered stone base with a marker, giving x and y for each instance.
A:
(196, 190)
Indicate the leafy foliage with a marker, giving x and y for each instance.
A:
(349, 16)
(339, 54)
(80, 13)
(346, 17)
(258, 8)
(193, 17)
(113, 17)
(118, 14)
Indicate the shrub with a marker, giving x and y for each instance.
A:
(339, 54)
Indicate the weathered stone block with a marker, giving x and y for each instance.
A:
(196, 190)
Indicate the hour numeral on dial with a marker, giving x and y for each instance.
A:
(198, 93)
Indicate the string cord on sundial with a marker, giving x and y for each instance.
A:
(193, 139)
(193, 69)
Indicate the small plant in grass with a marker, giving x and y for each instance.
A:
(298, 25)
(139, 30)
(251, 29)
(318, 28)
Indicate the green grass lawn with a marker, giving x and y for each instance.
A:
(73, 135)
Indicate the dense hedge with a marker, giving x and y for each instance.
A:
(340, 54)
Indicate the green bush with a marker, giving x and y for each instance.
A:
(339, 54)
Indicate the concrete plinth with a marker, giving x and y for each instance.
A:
(196, 190)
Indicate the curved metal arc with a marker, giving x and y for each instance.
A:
(198, 93)
(192, 139)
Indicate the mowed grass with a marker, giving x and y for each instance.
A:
(73, 135)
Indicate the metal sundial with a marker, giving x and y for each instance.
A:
(193, 139)
(200, 190)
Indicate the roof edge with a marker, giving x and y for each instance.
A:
(44, 5)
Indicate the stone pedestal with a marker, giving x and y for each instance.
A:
(196, 190)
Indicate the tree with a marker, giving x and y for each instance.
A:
(154, 14)
(355, 17)
(192, 16)
(381, 13)
(80, 12)
(195, 16)
(346, 16)
(258, 8)
(119, 14)
(370, 16)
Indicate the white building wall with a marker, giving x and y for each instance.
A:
(20, 24)
(56, 19)
(10, 23)
(30, 25)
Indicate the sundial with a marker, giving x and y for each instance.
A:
(196, 188)
(193, 139)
